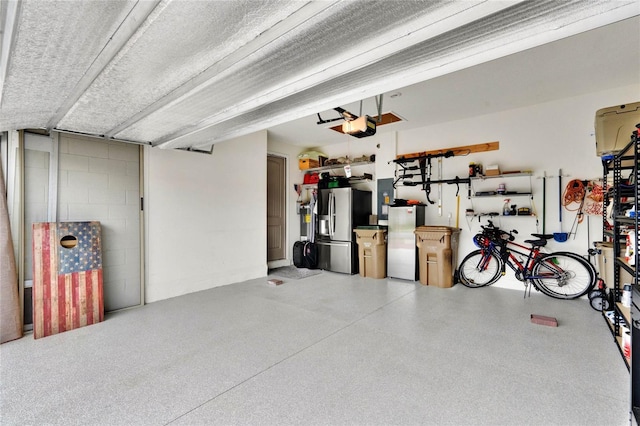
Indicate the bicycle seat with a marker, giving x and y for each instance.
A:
(536, 243)
(543, 236)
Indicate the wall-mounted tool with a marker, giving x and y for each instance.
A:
(560, 237)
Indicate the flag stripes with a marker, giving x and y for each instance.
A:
(63, 301)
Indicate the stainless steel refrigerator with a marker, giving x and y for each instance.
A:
(340, 210)
(402, 253)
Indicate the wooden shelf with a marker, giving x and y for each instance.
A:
(626, 220)
(623, 262)
(625, 311)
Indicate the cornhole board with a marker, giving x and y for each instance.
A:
(67, 276)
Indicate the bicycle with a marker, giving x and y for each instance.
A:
(561, 275)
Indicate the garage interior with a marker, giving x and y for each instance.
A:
(158, 119)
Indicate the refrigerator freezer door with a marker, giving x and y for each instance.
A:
(335, 256)
(341, 214)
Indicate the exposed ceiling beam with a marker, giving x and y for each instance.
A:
(205, 78)
(132, 23)
(365, 52)
(533, 35)
(187, 74)
(10, 12)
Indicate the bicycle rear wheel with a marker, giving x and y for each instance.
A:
(480, 268)
(563, 275)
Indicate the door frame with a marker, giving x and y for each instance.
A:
(287, 178)
(13, 145)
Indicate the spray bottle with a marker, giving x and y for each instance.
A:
(505, 208)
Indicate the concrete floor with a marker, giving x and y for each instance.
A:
(329, 349)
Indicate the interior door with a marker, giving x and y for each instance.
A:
(276, 208)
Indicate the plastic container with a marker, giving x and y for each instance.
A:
(630, 251)
(605, 259)
(372, 251)
(614, 126)
(438, 254)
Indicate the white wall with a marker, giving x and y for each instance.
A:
(382, 145)
(544, 137)
(205, 217)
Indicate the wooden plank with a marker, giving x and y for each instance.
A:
(458, 150)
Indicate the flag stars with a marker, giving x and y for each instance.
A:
(86, 254)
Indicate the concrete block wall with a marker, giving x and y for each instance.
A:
(99, 180)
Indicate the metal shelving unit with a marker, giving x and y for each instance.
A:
(624, 317)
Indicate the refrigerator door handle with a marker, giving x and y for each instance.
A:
(332, 213)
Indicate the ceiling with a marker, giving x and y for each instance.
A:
(187, 74)
(604, 58)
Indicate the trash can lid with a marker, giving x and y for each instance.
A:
(382, 227)
(430, 228)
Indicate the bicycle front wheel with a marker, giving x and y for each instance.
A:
(480, 268)
(563, 275)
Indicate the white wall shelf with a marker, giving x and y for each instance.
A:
(338, 166)
(517, 188)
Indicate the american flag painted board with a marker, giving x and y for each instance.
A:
(67, 276)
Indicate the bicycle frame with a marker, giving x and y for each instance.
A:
(562, 275)
(506, 251)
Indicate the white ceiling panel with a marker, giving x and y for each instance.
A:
(190, 73)
(480, 41)
(179, 41)
(562, 69)
(54, 43)
(318, 50)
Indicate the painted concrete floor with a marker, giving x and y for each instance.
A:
(330, 349)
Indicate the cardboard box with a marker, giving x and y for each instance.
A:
(307, 163)
(492, 171)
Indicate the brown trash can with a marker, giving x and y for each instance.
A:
(438, 254)
(372, 252)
